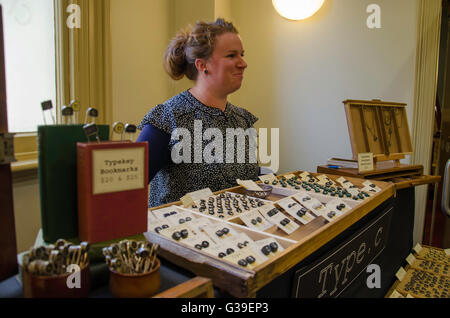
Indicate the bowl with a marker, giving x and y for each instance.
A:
(61, 286)
(265, 191)
(135, 285)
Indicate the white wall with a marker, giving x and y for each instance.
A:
(139, 36)
(300, 71)
(27, 213)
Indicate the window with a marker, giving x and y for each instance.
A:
(29, 36)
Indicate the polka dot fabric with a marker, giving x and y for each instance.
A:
(175, 180)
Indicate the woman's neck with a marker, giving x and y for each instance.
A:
(208, 98)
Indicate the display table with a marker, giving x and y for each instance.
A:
(175, 282)
(305, 248)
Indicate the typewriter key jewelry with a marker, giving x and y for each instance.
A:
(371, 130)
(131, 257)
(47, 106)
(53, 260)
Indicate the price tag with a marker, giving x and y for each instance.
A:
(410, 259)
(115, 170)
(289, 176)
(365, 162)
(447, 252)
(400, 273)
(417, 248)
(249, 185)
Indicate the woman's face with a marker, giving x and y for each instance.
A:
(226, 65)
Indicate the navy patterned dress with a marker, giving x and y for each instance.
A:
(169, 180)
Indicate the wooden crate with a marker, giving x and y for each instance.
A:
(242, 282)
(378, 127)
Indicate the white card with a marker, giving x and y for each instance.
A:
(275, 216)
(294, 209)
(268, 177)
(219, 232)
(249, 185)
(400, 273)
(162, 213)
(274, 249)
(338, 205)
(159, 225)
(410, 259)
(417, 248)
(371, 185)
(255, 220)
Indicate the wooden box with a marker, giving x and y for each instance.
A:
(378, 127)
(242, 281)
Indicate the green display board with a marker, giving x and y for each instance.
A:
(57, 147)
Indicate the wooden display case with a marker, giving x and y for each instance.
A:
(378, 127)
(305, 240)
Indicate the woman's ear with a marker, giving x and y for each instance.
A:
(200, 64)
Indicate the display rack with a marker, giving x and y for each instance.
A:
(296, 246)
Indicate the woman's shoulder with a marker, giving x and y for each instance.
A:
(163, 116)
(243, 113)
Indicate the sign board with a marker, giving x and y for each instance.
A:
(331, 274)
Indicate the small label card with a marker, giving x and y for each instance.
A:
(246, 257)
(289, 176)
(189, 198)
(410, 259)
(296, 210)
(311, 203)
(197, 225)
(181, 218)
(268, 177)
(306, 176)
(178, 233)
(115, 170)
(159, 225)
(269, 246)
(201, 242)
(365, 162)
(396, 294)
(447, 252)
(417, 248)
(369, 185)
(344, 182)
(151, 217)
(400, 273)
(219, 232)
(249, 185)
(255, 220)
(338, 205)
(165, 212)
(276, 217)
(324, 179)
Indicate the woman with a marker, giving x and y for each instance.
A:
(211, 55)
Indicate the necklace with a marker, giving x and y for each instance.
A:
(370, 129)
(388, 123)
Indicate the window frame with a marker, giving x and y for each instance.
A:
(80, 54)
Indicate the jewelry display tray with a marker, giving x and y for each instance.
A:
(242, 282)
(378, 127)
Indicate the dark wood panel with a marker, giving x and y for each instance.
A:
(8, 249)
